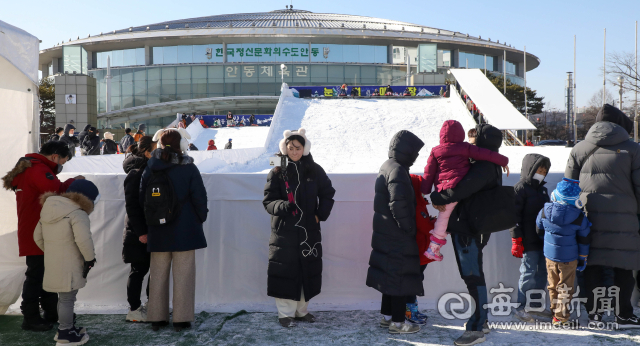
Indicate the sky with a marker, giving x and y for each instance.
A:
(545, 27)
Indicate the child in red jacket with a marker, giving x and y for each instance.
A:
(448, 163)
(424, 224)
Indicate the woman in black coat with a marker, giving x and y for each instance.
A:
(110, 147)
(394, 265)
(134, 249)
(172, 243)
(297, 198)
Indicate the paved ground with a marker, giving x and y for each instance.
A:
(332, 328)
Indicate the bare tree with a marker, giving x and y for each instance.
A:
(623, 64)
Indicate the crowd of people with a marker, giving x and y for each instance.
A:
(90, 143)
(586, 227)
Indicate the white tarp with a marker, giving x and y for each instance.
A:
(497, 110)
(21, 49)
(19, 112)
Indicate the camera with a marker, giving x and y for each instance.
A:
(283, 161)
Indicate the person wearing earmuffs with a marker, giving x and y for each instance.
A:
(298, 196)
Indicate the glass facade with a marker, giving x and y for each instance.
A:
(444, 58)
(140, 86)
(126, 57)
(427, 58)
(74, 59)
(511, 68)
(470, 60)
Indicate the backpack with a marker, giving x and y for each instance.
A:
(161, 206)
(491, 210)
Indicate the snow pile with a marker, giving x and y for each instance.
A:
(243, 137)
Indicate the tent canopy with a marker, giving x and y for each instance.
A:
(496, 109)
(20, 48)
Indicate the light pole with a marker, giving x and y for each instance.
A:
(620, 81)
(282, 67)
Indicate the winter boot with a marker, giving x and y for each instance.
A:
(71, 337)
(411, 315)
(418, 313)
(179, 326)
(79, 330)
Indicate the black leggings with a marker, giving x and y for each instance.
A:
(394, 306)
(134, 285)
(412, 299)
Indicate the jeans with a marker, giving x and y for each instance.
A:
(66, 301)
(622, 278)
(134, 285)
(394, 306)
(468, 251)
(533, 275)
(33, 296)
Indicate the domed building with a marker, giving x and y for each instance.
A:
(233, 62)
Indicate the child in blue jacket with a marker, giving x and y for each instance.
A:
(566, 244)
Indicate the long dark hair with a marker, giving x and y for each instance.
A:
(171, 141)
(145, 144)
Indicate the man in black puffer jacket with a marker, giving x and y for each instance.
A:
(531, 195)
(394, 265)
(468, 246)
(69, 139)
(91, 142)
(83, 133)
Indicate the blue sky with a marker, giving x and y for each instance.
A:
(546, 27)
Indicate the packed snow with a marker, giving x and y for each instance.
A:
(243, 137)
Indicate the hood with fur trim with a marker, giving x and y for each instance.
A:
(22, 165)
(300, 132)
(59, 206)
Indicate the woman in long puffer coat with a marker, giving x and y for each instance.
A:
(394, 265)
(298, 198)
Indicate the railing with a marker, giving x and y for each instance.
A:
(511, 139)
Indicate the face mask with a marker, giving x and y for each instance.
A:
(96, 200)
(59, 168)
(539, 177)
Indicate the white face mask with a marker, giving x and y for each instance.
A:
(539, 177)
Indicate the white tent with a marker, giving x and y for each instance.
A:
(19, 109)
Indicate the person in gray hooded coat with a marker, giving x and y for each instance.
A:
(607, 164)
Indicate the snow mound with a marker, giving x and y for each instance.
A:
(243, 137)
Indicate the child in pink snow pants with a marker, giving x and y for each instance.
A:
(448, 163)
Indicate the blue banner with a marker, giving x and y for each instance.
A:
(213, 121)
(368, 90)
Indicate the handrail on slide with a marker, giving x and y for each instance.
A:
(509, 138)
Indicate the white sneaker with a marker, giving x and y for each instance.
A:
(138, 315)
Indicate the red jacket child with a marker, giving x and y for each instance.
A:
(32, 176)
(449, 162)
(424, 224)
(212, 145)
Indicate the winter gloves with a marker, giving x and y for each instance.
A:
(516, 247)
(582, 263)
(433, 252)
(87, 266)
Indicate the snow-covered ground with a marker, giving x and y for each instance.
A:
(331, 328)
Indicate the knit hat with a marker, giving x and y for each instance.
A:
(567, 192)
(86, 188)
(108, 135)
(301, 132)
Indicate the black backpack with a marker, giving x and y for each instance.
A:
(491, 210)
(161, 205)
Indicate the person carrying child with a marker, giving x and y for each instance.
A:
(531, 195)
(64, 234)
(448, 163)
(566, 230)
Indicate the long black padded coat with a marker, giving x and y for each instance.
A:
(134, 223)
(295, 254)
(531, 195)
(610, 183)
(394, 265)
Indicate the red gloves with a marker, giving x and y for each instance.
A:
(516, 247)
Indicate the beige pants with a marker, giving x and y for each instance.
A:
(184, 286)
(561, 277)
(292, 308)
